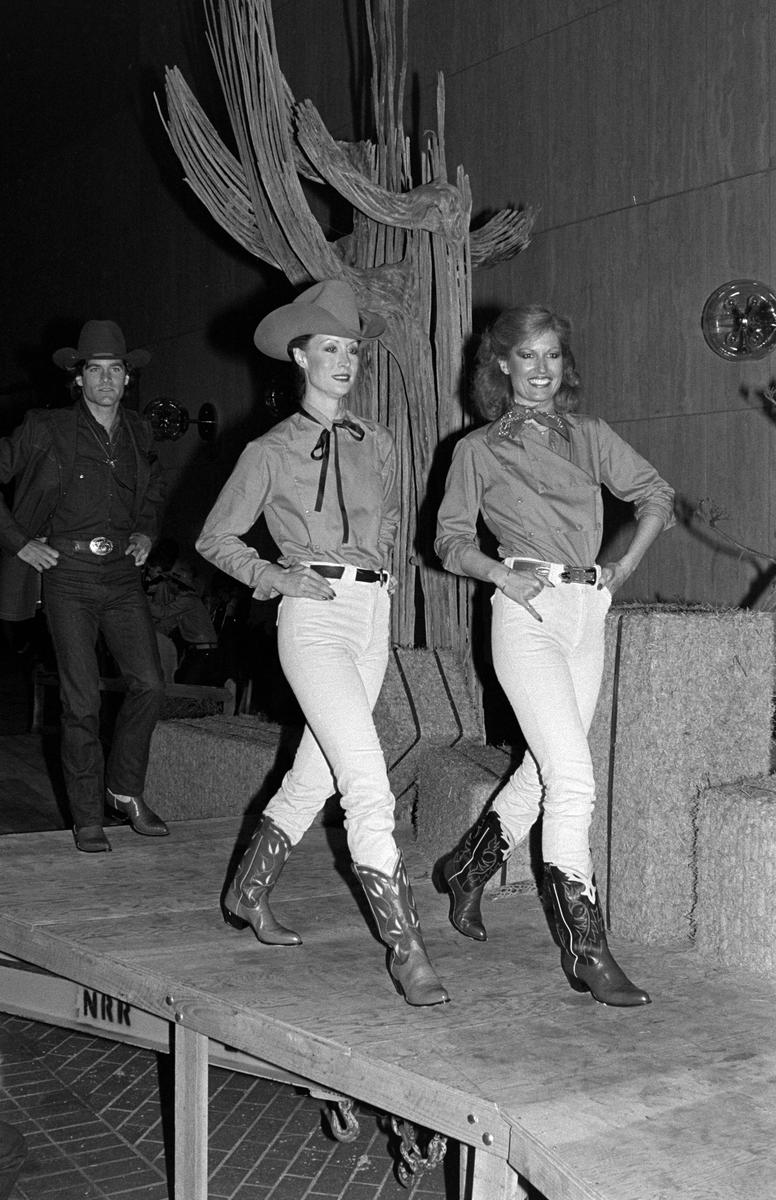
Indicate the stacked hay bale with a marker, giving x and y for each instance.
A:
(454, 788)
(736, 855)
(685, 704)
(215, 766)
(425, 706)
(221, 765)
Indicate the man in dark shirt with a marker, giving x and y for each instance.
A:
(87, 500)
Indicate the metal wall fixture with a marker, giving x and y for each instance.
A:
(739, 320)
(170, 420)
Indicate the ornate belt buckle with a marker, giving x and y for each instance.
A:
(100, 545)
(578, 575)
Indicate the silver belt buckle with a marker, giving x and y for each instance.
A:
(578, 575)
(100, 545)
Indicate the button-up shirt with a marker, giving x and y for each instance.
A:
(100, 497)
(540, 495)
(276, 475)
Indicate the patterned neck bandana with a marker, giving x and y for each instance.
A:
(519, 414)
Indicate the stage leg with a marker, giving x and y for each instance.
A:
(485, 1177)
(191, 1094)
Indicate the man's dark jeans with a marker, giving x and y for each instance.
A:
(82, 600)
(13, 1151)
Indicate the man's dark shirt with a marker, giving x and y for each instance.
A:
(100, 498)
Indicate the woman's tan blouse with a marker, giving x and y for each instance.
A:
(541, 496)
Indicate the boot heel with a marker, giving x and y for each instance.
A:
(575, 984)
(233, 920)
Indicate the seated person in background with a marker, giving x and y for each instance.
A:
(179, 614)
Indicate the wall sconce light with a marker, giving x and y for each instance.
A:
(739, 320)
(170, 420)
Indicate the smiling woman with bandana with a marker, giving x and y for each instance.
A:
(534, 474)
(326, 482)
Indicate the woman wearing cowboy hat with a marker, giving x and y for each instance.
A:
(325, 481)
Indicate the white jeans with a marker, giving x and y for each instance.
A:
(334, 654)
(551, 674)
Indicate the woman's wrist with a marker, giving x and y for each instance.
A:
(500, 576)
(274, 574)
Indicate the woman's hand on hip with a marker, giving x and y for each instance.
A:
(613, 576)
(301, 580)
(522, 587)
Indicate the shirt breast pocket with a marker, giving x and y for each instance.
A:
(579, 505)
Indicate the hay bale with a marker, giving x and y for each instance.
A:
(456, 786)
(219, 765)
(685, 703)
(189, 708)
(425, 702)
(215, 766)
(734, 918)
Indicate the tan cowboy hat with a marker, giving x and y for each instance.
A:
(327, 307)
(99, 339)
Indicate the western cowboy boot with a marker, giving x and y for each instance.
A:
(142, 818)
(585, 956)
(247, 900)
(393, 907)
(474, 861)
(91, 839)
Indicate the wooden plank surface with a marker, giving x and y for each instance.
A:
(677, 1099)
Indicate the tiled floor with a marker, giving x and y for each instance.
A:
(97, 1114)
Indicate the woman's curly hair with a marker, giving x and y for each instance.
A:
(491, 388)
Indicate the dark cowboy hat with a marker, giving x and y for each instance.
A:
(328, 307)
(100, 339)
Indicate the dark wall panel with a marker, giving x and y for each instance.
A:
(698, 240)
(709, 91)
(642, 133)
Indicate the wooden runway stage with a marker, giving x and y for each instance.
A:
(676, 1100)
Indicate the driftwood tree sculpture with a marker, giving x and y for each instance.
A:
(410, 253)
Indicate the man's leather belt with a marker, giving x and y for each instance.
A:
(98, 547)
(331, 571)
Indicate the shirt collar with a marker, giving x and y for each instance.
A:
(307, 411)
(90, 419)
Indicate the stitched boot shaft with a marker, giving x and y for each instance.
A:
(585, 956)
(474, 861)
(247, 900)
(393, 907)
